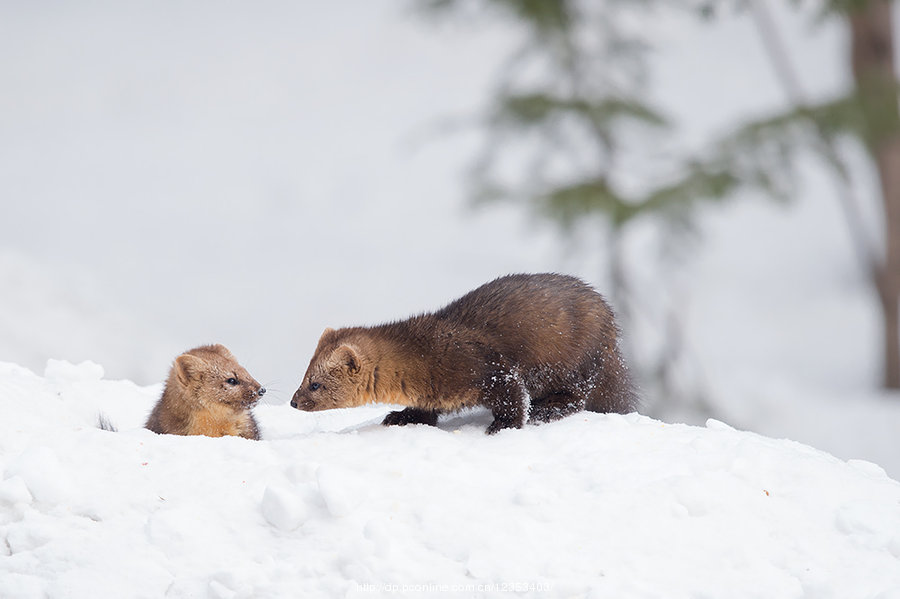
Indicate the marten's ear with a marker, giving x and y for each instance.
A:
(222, 351)
(326, 334)
(188, 368)
(348, 358)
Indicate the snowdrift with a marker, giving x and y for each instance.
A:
(332, 504)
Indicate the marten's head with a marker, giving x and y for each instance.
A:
(210, 373)
(334, 378)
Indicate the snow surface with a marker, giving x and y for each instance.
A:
(331, 504)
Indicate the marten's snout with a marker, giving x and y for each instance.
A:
(261, 392)
(301, 404)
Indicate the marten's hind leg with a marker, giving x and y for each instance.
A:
(411, 416)
(554, 406)
(507, 399)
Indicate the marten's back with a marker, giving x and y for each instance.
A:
(544, 318)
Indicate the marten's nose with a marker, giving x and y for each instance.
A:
(261, 392)
(293, 403)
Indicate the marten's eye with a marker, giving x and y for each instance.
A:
(232, 381)
(314, 386)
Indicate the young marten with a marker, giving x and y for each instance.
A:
(528, 347)
(207, 393)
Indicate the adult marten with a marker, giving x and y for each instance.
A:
(207, 393)
(528, 347)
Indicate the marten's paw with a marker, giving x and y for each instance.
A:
(411, 416)
(553, 407)
(501, 423)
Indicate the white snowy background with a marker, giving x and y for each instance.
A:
(173, 174)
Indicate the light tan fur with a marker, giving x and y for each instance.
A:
(217, 420)
(395, 375)
(207, 393)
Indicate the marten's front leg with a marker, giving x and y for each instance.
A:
(507, 399)
(411, 416)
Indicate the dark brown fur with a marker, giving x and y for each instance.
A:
(527, 347)
(207, 393)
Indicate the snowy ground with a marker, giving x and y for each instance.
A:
(332, 504)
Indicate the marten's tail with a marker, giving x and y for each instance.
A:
(616, 398)
(613, 391)
(105, 424)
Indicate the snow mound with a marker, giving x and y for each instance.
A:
(332, 504)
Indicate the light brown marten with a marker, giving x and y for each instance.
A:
(528, 347)
(207, 393)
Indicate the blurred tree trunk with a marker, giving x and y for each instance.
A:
(872, 56)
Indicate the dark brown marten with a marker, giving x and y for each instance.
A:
(207, 393)
(528, 347)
